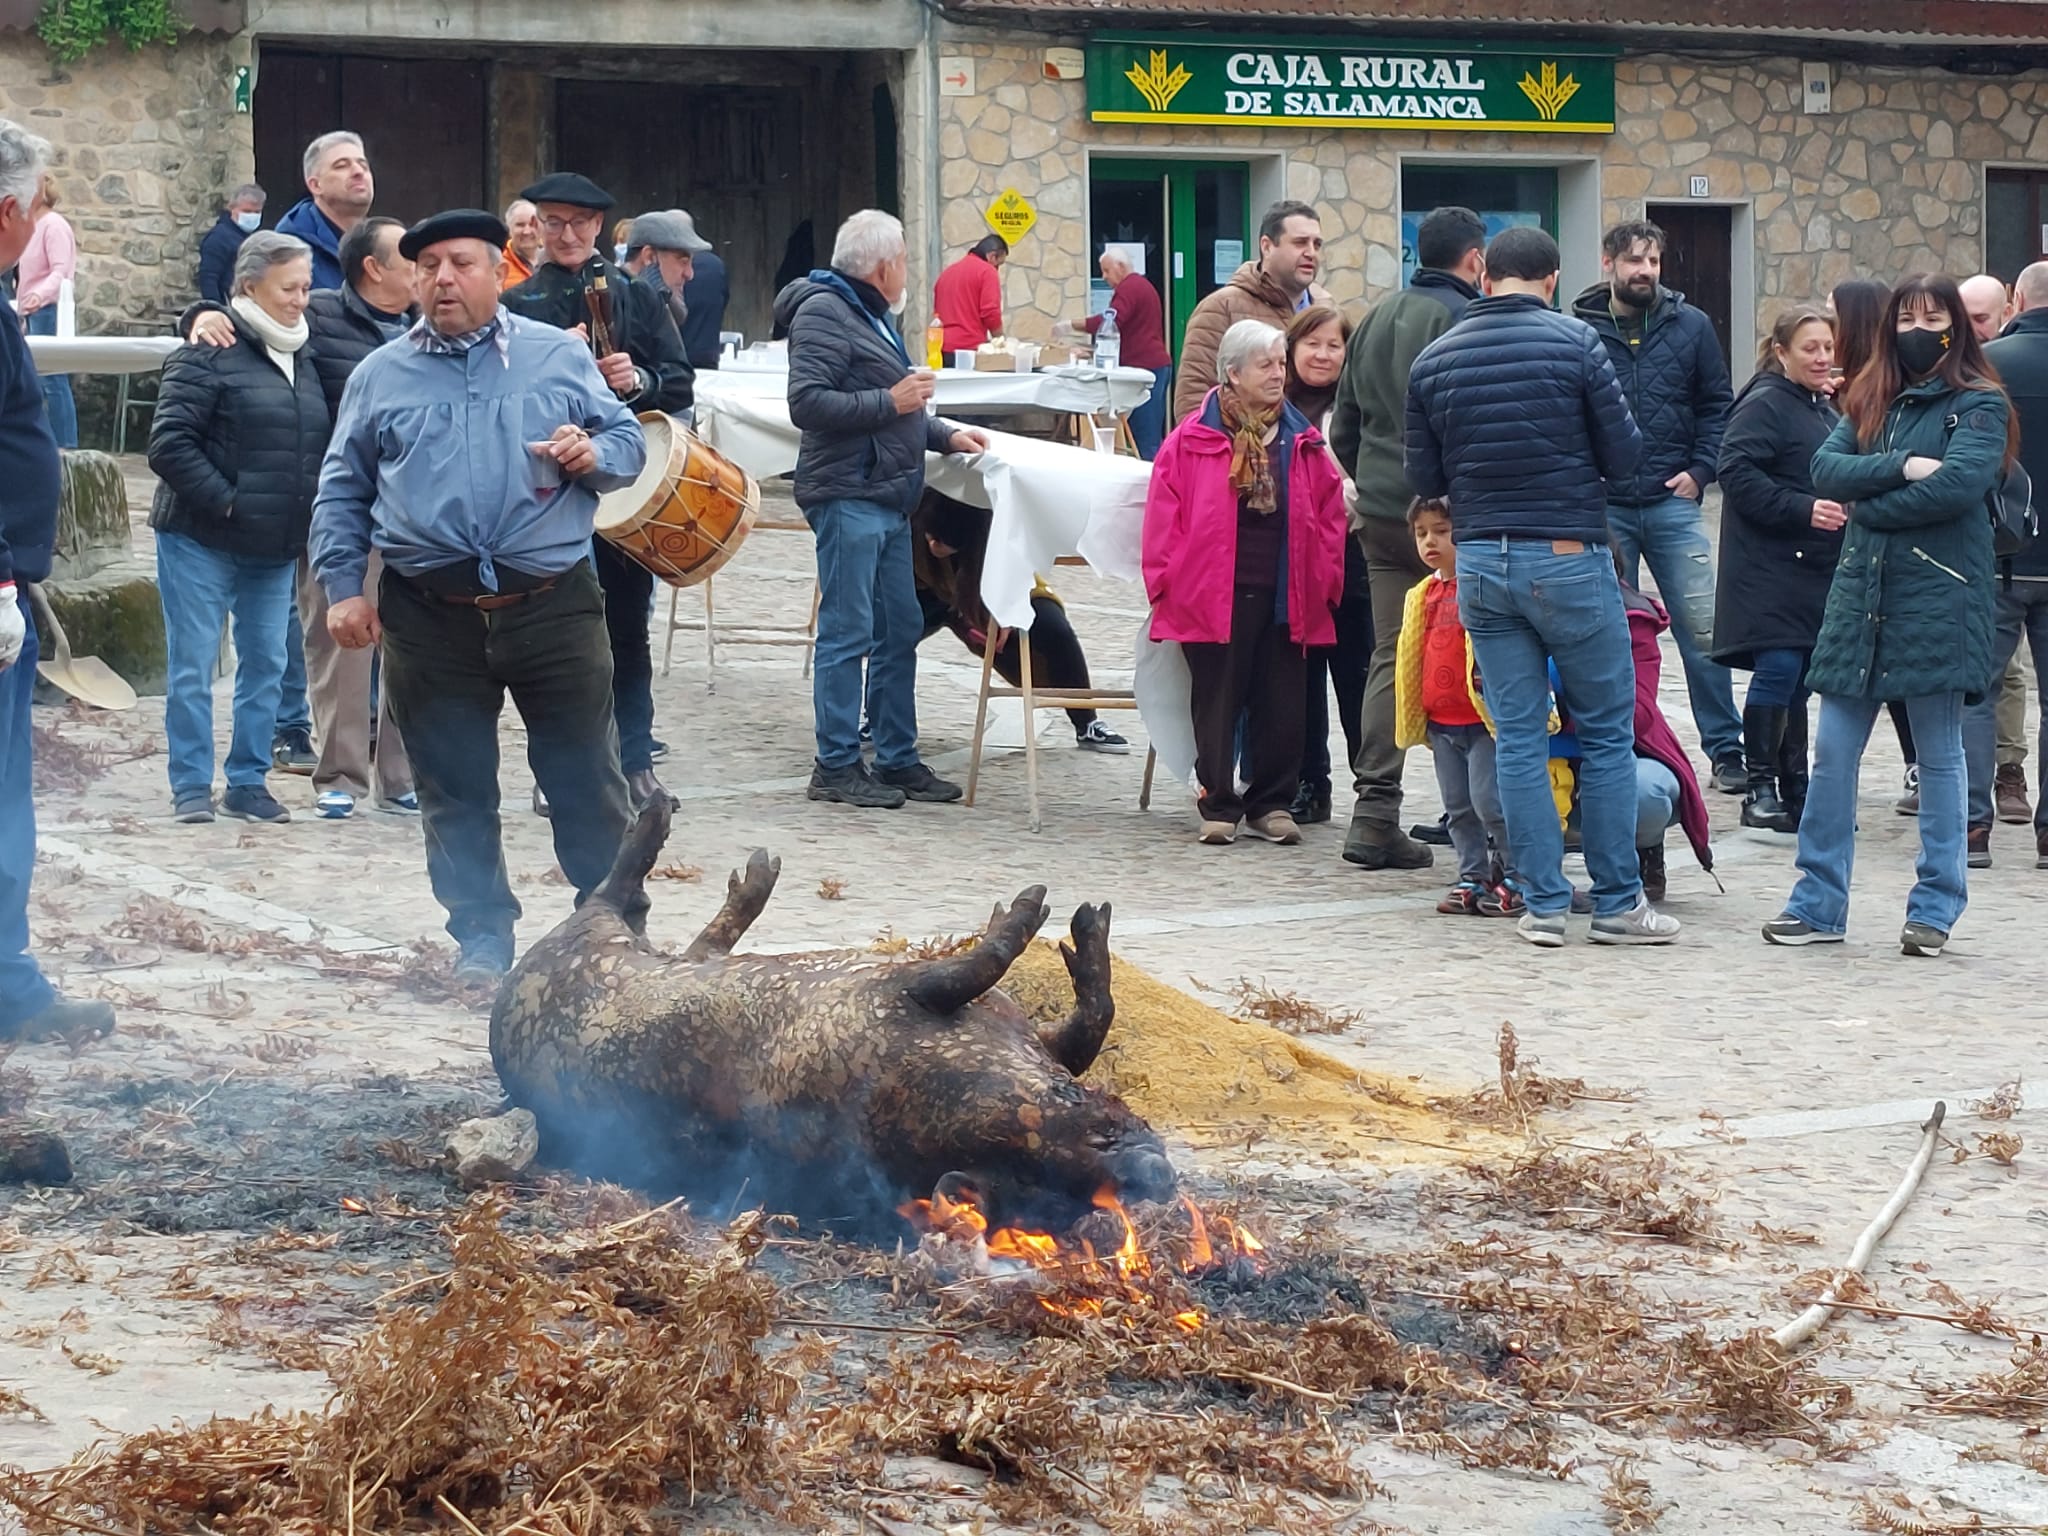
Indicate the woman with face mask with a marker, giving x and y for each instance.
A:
(1926, 432)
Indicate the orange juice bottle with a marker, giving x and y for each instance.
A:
(935, 344)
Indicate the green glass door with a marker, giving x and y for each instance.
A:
(1191, 219)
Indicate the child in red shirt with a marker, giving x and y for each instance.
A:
(1437, 704)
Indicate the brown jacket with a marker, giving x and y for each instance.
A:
(1249, 295)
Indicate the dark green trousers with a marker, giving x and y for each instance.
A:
(448, 668)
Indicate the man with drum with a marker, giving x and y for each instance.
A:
(640, 354)
(470, 455)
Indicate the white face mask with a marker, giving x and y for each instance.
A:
(900, 303)
(249, 223)
(619, 254)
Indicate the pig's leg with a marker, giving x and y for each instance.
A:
(1076, 1040)
(625, 887)
(745, 896)
(947, 985)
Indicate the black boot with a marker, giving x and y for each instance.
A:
(1792, 765)
(1763, 735)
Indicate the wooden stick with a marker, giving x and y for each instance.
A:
(1810, 1322)
(1952, 1319)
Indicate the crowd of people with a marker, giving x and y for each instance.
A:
(380, 452)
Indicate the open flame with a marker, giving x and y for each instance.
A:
(963, 1222)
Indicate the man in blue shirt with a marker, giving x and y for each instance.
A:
(340, 190)
(470, 454)
(29, 1008)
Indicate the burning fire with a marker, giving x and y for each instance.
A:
(964, 1223)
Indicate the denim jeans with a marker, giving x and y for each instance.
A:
(1466, 778)
(1779, 678)
(867, 612)
(294, 709)
(1148, 421)
(1526, 602)
(57, 397)
(2022, 610)
(23, 992)
(1656, 802)
(1827, 830)
(1669, 536)
(200, 587)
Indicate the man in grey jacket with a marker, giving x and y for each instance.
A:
(861, 408)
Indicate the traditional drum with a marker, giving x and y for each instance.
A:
(689, 510)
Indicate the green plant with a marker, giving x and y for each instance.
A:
(71, 29)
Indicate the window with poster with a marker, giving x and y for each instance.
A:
(1186, 223)
(1503, 196)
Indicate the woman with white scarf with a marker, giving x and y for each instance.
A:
(236, 445)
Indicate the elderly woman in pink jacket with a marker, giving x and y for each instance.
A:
(1244, 566)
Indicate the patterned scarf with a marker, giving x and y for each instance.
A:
(1251, 466)
(497, 330)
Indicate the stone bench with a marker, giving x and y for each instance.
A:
(102, 592)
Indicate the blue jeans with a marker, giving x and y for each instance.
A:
(200, 588)
(1827, 830)
(23, 992)
(1778, 682)
(57, 398)
(1668, 535)
(2022, 610)
(1148, 421)
(1656, 802)
(293, 711)
(867, 612)
(1467, 780)
(1525, 604)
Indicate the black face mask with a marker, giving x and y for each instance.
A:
(1921, 351)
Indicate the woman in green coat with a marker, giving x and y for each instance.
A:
(1925, 434)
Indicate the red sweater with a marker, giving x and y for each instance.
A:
(1140, 325)
(968, 299)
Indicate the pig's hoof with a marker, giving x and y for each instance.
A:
(1143, 1173)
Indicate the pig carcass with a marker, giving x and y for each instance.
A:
(834, 1085)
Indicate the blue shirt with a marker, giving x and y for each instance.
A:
(430, 461)
(305, 220)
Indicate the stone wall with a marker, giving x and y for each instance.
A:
(146, 145)
(1891, 181)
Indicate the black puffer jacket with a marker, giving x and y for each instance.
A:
(1676, 382)
(236, 447)
(1775, 565)
(1514, 413)
(856, 445)
(2021, 358)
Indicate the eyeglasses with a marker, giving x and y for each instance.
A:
(579, 223)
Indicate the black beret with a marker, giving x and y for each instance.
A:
(568, 187)
(455, 224)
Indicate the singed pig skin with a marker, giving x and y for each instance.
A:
(835, 1085)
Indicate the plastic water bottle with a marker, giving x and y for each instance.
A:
(1108, 344)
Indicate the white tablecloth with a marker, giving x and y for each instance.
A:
(100, 354)
(1073, 390)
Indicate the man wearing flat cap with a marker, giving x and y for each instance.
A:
(646, 368)
(470, 454)
(665, 245)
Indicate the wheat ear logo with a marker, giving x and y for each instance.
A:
(1157, 85)
(1549, 94)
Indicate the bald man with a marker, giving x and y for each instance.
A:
(1991, 310)
(2021, 595)
(1989, 307)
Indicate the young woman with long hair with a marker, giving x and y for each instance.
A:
(1926, 431)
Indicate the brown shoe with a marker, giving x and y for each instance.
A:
(1275, 827)
(2010, 790)
(1217, 833)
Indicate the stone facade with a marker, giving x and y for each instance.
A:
(147, 144)
(1890, 181)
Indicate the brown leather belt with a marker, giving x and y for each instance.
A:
(491, 602)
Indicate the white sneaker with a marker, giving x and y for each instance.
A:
(335, 804)
(1545, 932)
(1643, 925)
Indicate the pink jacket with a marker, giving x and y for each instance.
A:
(1654, 737)
(50, 256)
(1190, 544)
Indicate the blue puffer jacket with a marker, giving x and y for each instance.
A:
(1515, 414)
(1676, 382)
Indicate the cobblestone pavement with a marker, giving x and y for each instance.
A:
(1793, 1081)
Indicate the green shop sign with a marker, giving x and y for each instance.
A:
(1365, 84)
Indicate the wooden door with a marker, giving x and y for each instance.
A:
(423, 122)
(1699, 260)
(732, 155)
